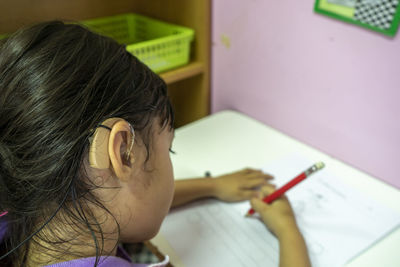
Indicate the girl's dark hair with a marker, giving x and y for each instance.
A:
(57, 82)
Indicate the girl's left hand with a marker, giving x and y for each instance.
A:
(240, 185)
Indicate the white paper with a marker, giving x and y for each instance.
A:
(337, 222)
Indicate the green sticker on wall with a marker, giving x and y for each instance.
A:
(379, 15)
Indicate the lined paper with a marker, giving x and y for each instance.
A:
(337, 221)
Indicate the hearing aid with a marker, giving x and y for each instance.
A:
(99, 144)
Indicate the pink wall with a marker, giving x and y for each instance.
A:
(329, 84)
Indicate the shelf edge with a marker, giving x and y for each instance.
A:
(187, 71)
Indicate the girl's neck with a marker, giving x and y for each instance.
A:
(40, 254)
(63, 243)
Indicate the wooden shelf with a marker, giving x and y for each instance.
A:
(188, 86)
(187, 71)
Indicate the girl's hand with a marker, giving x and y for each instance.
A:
(277, 216)
(241, 185)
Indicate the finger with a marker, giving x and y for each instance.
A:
(249, 194)
(258, 205)
(267, 189)
(249, 171)
(253, 183)
(268, 176)
(257, 174)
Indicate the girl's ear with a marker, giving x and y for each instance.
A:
(120, 145)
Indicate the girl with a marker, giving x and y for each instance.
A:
(86, 131)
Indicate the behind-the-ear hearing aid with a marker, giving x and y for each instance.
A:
(98, 151)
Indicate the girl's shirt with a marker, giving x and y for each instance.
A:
(122, 258)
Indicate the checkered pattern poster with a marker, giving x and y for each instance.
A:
(379, 15)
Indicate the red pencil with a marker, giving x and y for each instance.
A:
(277, 193)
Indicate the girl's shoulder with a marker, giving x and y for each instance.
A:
(103, 262)
(121, 260)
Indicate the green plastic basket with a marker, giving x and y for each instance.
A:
(159, 45)
(2, 36)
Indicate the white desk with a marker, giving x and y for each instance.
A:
(228, 141)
